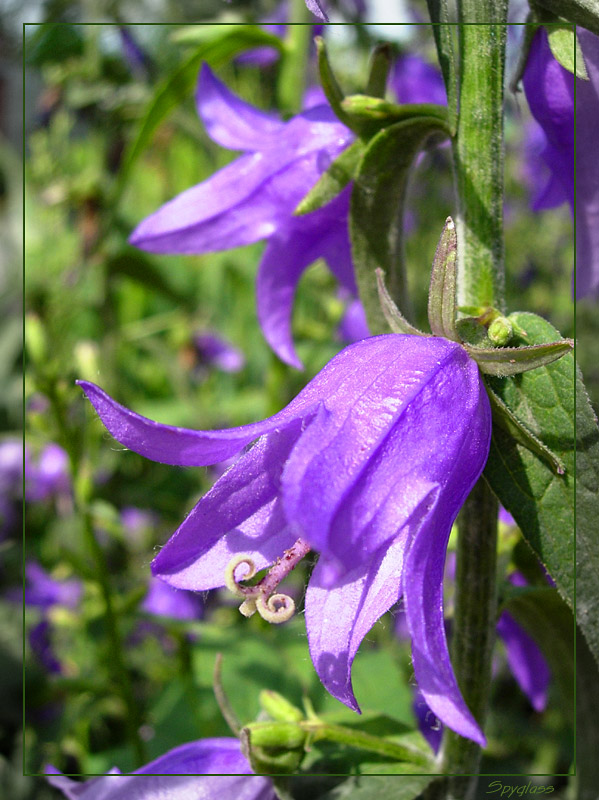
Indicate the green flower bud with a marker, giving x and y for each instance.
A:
(278, 735)
(500, 331)
(278, 707)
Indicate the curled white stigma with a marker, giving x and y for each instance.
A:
(277, 608)
(231, 581)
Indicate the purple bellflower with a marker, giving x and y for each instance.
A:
(163, 600)
(254, 198)
(415, 81)
(550, 91)
(214, 351)
(368, 465)
(207, 768)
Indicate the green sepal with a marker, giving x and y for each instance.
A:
(376, 210)
(395, 319)
(507, 420)
(566, 49)
(328, 81)
(442, 292)
(367, 115)
(380, 64)
(506, 361)
(343, 170)
(277, 756)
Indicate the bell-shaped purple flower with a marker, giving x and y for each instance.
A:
(254, 198)
(203, 769)
(369, 465)
(214, 351)
(550, 91)
(415, 81)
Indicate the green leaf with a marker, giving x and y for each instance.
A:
(180, 83)
(545, 616)
(375, 787)
(334, 180)
(579, 12)
(565, 48)
(376, 209)
(545, 505)
(368, 115)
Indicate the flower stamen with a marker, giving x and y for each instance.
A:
(273, 607)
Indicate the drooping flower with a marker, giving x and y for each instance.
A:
(203, 769)
(254, 198)
(550, 90)
(369, 466)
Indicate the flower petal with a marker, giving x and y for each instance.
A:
(322, 234)
(168, 444)
(240, 514)
(394, 432)
(181, 774)
(242, 203)
(230, 121)
(341, 609)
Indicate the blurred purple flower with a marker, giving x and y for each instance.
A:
(47, 476)
(13, 455)
(136, 520)
(415, 81)
(43, 591)
(369, 465)
(550, 91)
(163, 600)
(208, 768)
(137, 59)
(213, 350)
(254, 198)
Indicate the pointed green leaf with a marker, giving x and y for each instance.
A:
(395, 319)
(337, 176)
(566, 49)
(544, 504)
(505, 361)
(369, 114)
(442, 293)
(179, 85)
(506, 419)
(376, 209)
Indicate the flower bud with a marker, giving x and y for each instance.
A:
(278, 707)
(500, 331)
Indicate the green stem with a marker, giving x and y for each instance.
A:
(478, 153)
(474, 621)
(478, 162)
(292, 74)
(364, 741)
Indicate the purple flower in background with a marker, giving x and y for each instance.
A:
(369, 465)
(254, 198)
(163, 600)
(49, 475)
(550, 93)
(213, 350)
(353, 325)
(45, 592)
(208, 768)
(415, 81)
